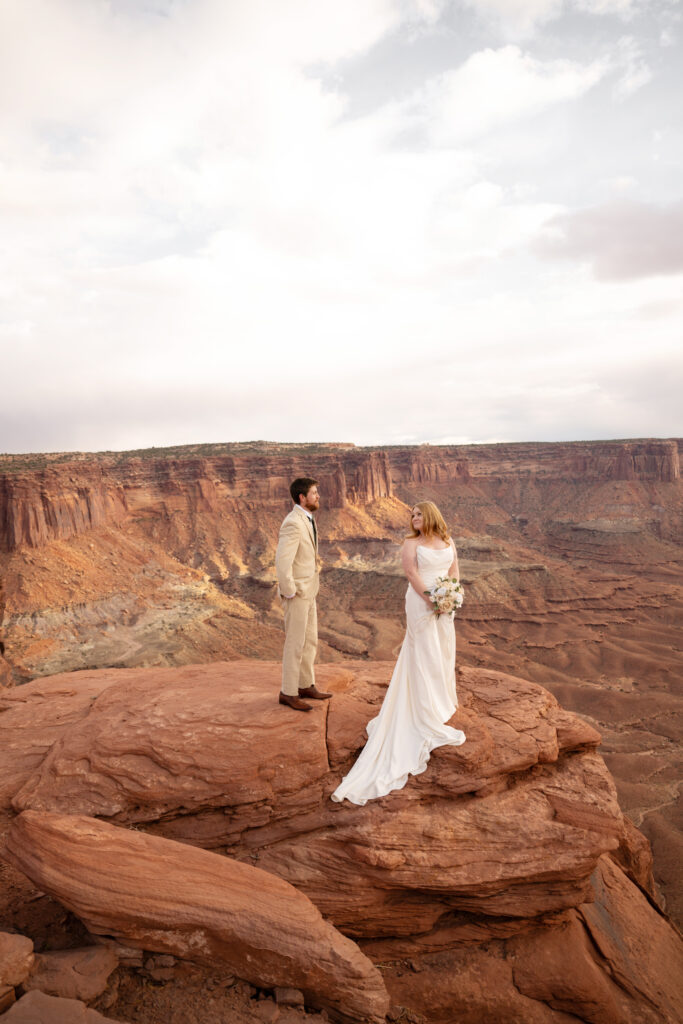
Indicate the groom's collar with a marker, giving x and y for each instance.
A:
(304, 510)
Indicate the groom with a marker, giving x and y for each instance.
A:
(296, 564)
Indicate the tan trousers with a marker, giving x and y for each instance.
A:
(301, 644)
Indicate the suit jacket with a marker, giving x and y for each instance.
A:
(296, 558)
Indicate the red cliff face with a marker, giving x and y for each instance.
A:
(650, 460)
(69, 498)
(62, 501)
(53, 505)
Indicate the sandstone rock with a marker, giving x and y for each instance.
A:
(665, 832)
(7, 997)
(162, 973)
(289, 997)
(160, 739)
(38, 1008)
(563, 973)
(126, 955)
(268, 1012)
(567, 969)
(634, 856)
(198, 736)
(476, 877)
(469, 985)
(506, 854)
(511, 724)
(5, 673)
(203, 754)
(16, 958)
(643, 952)
(162, 960)
(32, 716)
(60, 501)
(617, 959)
(72, 973)
(171, 898)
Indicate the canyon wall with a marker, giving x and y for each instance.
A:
(63, 500)
(570, 554)
(66, 498)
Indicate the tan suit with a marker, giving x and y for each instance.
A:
(297, 567)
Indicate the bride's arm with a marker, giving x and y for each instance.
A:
(409, 562)
(454, 570)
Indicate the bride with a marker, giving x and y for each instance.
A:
(421, 697)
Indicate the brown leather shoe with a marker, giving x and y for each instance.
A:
(293, 702)
(313, 693)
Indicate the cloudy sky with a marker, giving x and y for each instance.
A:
(378, 221)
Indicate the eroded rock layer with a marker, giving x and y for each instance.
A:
(157, 894)
(503, 881)
(570, 553)
(203, 755)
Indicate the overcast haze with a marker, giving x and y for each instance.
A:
(378, 221)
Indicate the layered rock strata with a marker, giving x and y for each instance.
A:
(48, 499)
(479, 873)
(156, 894)
(610, 960)
(203, 755)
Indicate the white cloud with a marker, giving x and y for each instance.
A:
(634, 70)
(196, 226)
(493, 88)
(483, 222)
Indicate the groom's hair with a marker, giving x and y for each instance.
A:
(301, 485)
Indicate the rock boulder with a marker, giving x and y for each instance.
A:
(38, 1008)
(72, 973)
(172, 898)
(502, 883)
(16, 958)
(515, 819)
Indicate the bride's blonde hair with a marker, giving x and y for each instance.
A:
(432, 521)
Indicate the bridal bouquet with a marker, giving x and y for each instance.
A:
(447, 595)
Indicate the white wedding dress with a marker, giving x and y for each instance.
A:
(420, 699)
